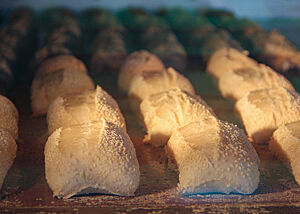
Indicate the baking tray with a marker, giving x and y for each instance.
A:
(25, 188)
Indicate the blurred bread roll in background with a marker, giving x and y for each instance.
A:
(263, 111)
(228, 59)
(134, 64)
(151, 82)
(85, 107)
(285, 145)
(164, 112)
(96, 157)
(234, 84)
(214, 156)
(61, 62)
(47, 86)
(9, 117)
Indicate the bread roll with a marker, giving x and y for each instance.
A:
(8, 150)
(9, 117)
(274, 49)
(263, 111)
(151, 82)
(214, 156)
(164, 112)
(96, 157)
(108, 51)
(135, 63)
(285, 145)
(85, 107)
(234, 84)
(227, 59)
(61, 62)
(47, 86)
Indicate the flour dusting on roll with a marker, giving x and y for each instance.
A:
(263, 111)
(214, 157)
(96, 157)
(164, 112)
(85, 107)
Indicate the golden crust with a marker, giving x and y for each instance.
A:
(134, 64)
(90, 158)
(214, 157)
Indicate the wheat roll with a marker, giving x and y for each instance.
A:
(9, 117)
(61, 62)
(8, 150)
(214, 157)
(164, 112)
(234, 84)
(227, 59)
(134, 64)
(263, 111)
(85, 107)
(151, 82)
(46, 87)
(96, 157)
(285, 145)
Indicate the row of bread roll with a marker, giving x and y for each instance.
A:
(9, 118)
(144, 74)
(58, 76)
(211, 155)
(15, 46)
(269, 109)
(107, 49)
(89, 150)
(271, 48)
(60, 35)
(195, 139)
(154, 34)
(265, 99)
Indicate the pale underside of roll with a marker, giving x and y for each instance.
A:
(164, 112)
(82, 108)
(47, 86)
(227, 59)
(285, 145)
(263, 111)
(9, 117)
(97, 157)
(151, 82)
(214, 156)
(234, 84)
(8, 150)
(134, 64)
